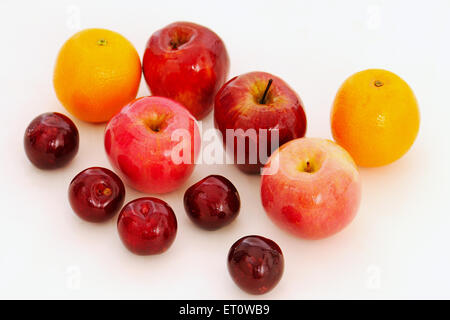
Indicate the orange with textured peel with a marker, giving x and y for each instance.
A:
(375, 117)
(97, 72)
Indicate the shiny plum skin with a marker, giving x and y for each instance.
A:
(147, 226)
(96, 194)
(51, 140)
(255, 264)
(212, 203)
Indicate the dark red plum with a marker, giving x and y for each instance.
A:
(212, 203)
(96, 194)
(51, 140)
(256, 264)
(147, 226)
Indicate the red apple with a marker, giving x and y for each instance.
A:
(153, 142)
(187, 63)
(251, 108)
(311, 187)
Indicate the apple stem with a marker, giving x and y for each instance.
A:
(263, 99)
(308, 167)
(173, 45)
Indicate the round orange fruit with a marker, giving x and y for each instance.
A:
(375, 117)
(97, 72)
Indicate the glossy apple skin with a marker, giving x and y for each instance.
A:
(212, 203)
(147, 226)
(96, 194)
(142, 156)
(191, 73)
(255, 264)
(51, 140)
(237, 107)
(311, 205)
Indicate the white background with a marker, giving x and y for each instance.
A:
(398, 245)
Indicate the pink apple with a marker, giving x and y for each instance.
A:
(254, 106)
(153, 143)
(311, 188)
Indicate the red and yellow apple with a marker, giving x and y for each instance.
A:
(187, 63)
(311, 188)
(251, 108)
(153, 143)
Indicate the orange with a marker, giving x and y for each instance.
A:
(97, 72)
(375, 117)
